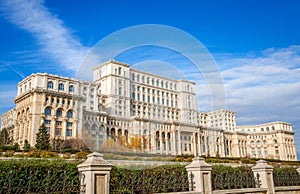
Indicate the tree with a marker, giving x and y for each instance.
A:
(4, 137)
(26, 146)
(42, 139)
(75, 144)
(57, 144)
(135, 143)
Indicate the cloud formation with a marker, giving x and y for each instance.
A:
(55, 39)
(264, 88)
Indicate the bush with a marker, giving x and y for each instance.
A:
(167, 178)
(70, 150)
(67, 155)
(42, 154)
(48, 154)
(9, 153)
(82, 155)
(40, 173)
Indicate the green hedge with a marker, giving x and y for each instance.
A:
(168, 178)
(36, 174)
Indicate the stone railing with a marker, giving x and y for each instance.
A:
(97, 175)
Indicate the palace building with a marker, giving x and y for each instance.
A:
(122, 102)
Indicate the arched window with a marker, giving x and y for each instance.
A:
(258, 143)
(94, 127)
(47, 111)
(267, 129)
(262, 129)
(61, 87)
(58, 113)
(71, 88)
(273, 128)
(86, 126)
(101, 128)
(50, 85)
(265, 142)
(275, 141)
(69, 114)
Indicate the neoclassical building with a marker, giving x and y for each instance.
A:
(122, 103)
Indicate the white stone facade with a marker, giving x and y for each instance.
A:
(121, 103)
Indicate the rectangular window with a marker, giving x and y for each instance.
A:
(57, 131)
(58, 123)
(69, 124)
(69, 132)
(47, 122)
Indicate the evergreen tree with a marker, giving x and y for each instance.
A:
(42, 139)
(4, 138)
(26, 146)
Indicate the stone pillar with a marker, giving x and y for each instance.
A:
(97, 174)
(199, 175)
(179, 142)
(265, 173)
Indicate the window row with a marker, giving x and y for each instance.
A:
(61, 86)
(58, 123)
(59, 112)
(154, 100)
(152, 81)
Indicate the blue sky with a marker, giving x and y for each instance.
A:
(256, 45)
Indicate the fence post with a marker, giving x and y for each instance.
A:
(265, 173)
(199, 174)
(97, 174)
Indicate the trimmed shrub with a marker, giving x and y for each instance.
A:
(167, 178)
(42, 154)
(82, 155)
(40, 173)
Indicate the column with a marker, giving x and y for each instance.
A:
(194, 144)
(199, 144)
(173, 139)
(199, 175)
(179, 142)
(64, 128)
(161, 147)
(167, 144)
(265, 173)
(97, 174)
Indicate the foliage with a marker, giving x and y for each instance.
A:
(56, 144)
(183, 158)
(4, 138)
(39, 173)
(42, 154)
(74, 144)
(14, 147)
(26, 146)
(227, 177)
(9, 153)
(168, 178)
(82, 154)
(135, 143)
(42, 139)
(284, 170)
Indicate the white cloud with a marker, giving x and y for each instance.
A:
(7, 93)
(55, 39)
(264, 88)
